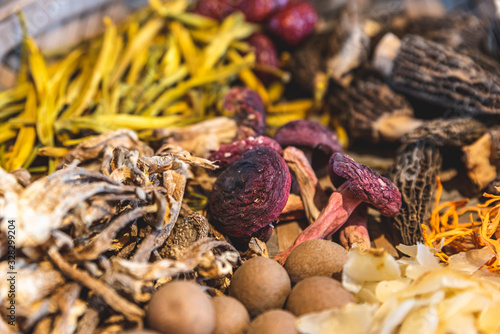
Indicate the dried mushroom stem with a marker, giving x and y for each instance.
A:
(312, 195)
(113, 299)
(355, 230)
(438, 74)
(414, 172)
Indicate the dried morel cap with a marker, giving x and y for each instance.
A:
(251, 193)
(228, 153)
(231, 317)
(316, 257)
(457, 132)
(414, 172)
(308, 135)
(248, 109)
(261, 284)
(371, 110)
(273, 322)
(181, 307)
(438, 74)
(316, 294)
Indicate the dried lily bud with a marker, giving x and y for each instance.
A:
(94, 147)
(414, 172)
(437, 74)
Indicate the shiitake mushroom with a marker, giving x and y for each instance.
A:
(181, 307)
(260, 284)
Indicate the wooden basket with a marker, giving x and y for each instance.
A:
(54, 24)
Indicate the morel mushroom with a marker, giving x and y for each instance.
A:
(248, 109)
(414, 173)
(455, 132)
(229, 153)
(362, 185)
(308, 136)
(250, 193)
(438, 74)
(372, 111)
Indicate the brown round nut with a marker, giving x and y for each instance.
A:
(141, 331)
(316, 294)
(317, 257)
(231, 317)
(261, 284)
(181, 307)
(273, 322)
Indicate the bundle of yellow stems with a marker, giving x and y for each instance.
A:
(163, 67)
(446, 232)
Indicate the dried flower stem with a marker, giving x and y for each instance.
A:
(131, 311)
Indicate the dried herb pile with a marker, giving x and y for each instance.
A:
(165, 67)
(171, 147)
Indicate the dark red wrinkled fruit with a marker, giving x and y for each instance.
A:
(294, 22)
(216, 9)
(259, 10)
(265, 53)
(248, 109)
(227, 154)
(251, 193)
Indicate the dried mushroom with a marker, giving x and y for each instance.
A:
(312, 194)
(250, 193)
(414, 172)
(362, 185)
(308, 136)
(248, 110)
(371, 110)
(456, 132)
(228, 153)
(438, 74)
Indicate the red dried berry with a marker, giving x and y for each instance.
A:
(227, 154)
(251, 193)
(216, 9)
(265, 53)
(294, 22)
(259, 10)
(248, 110)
